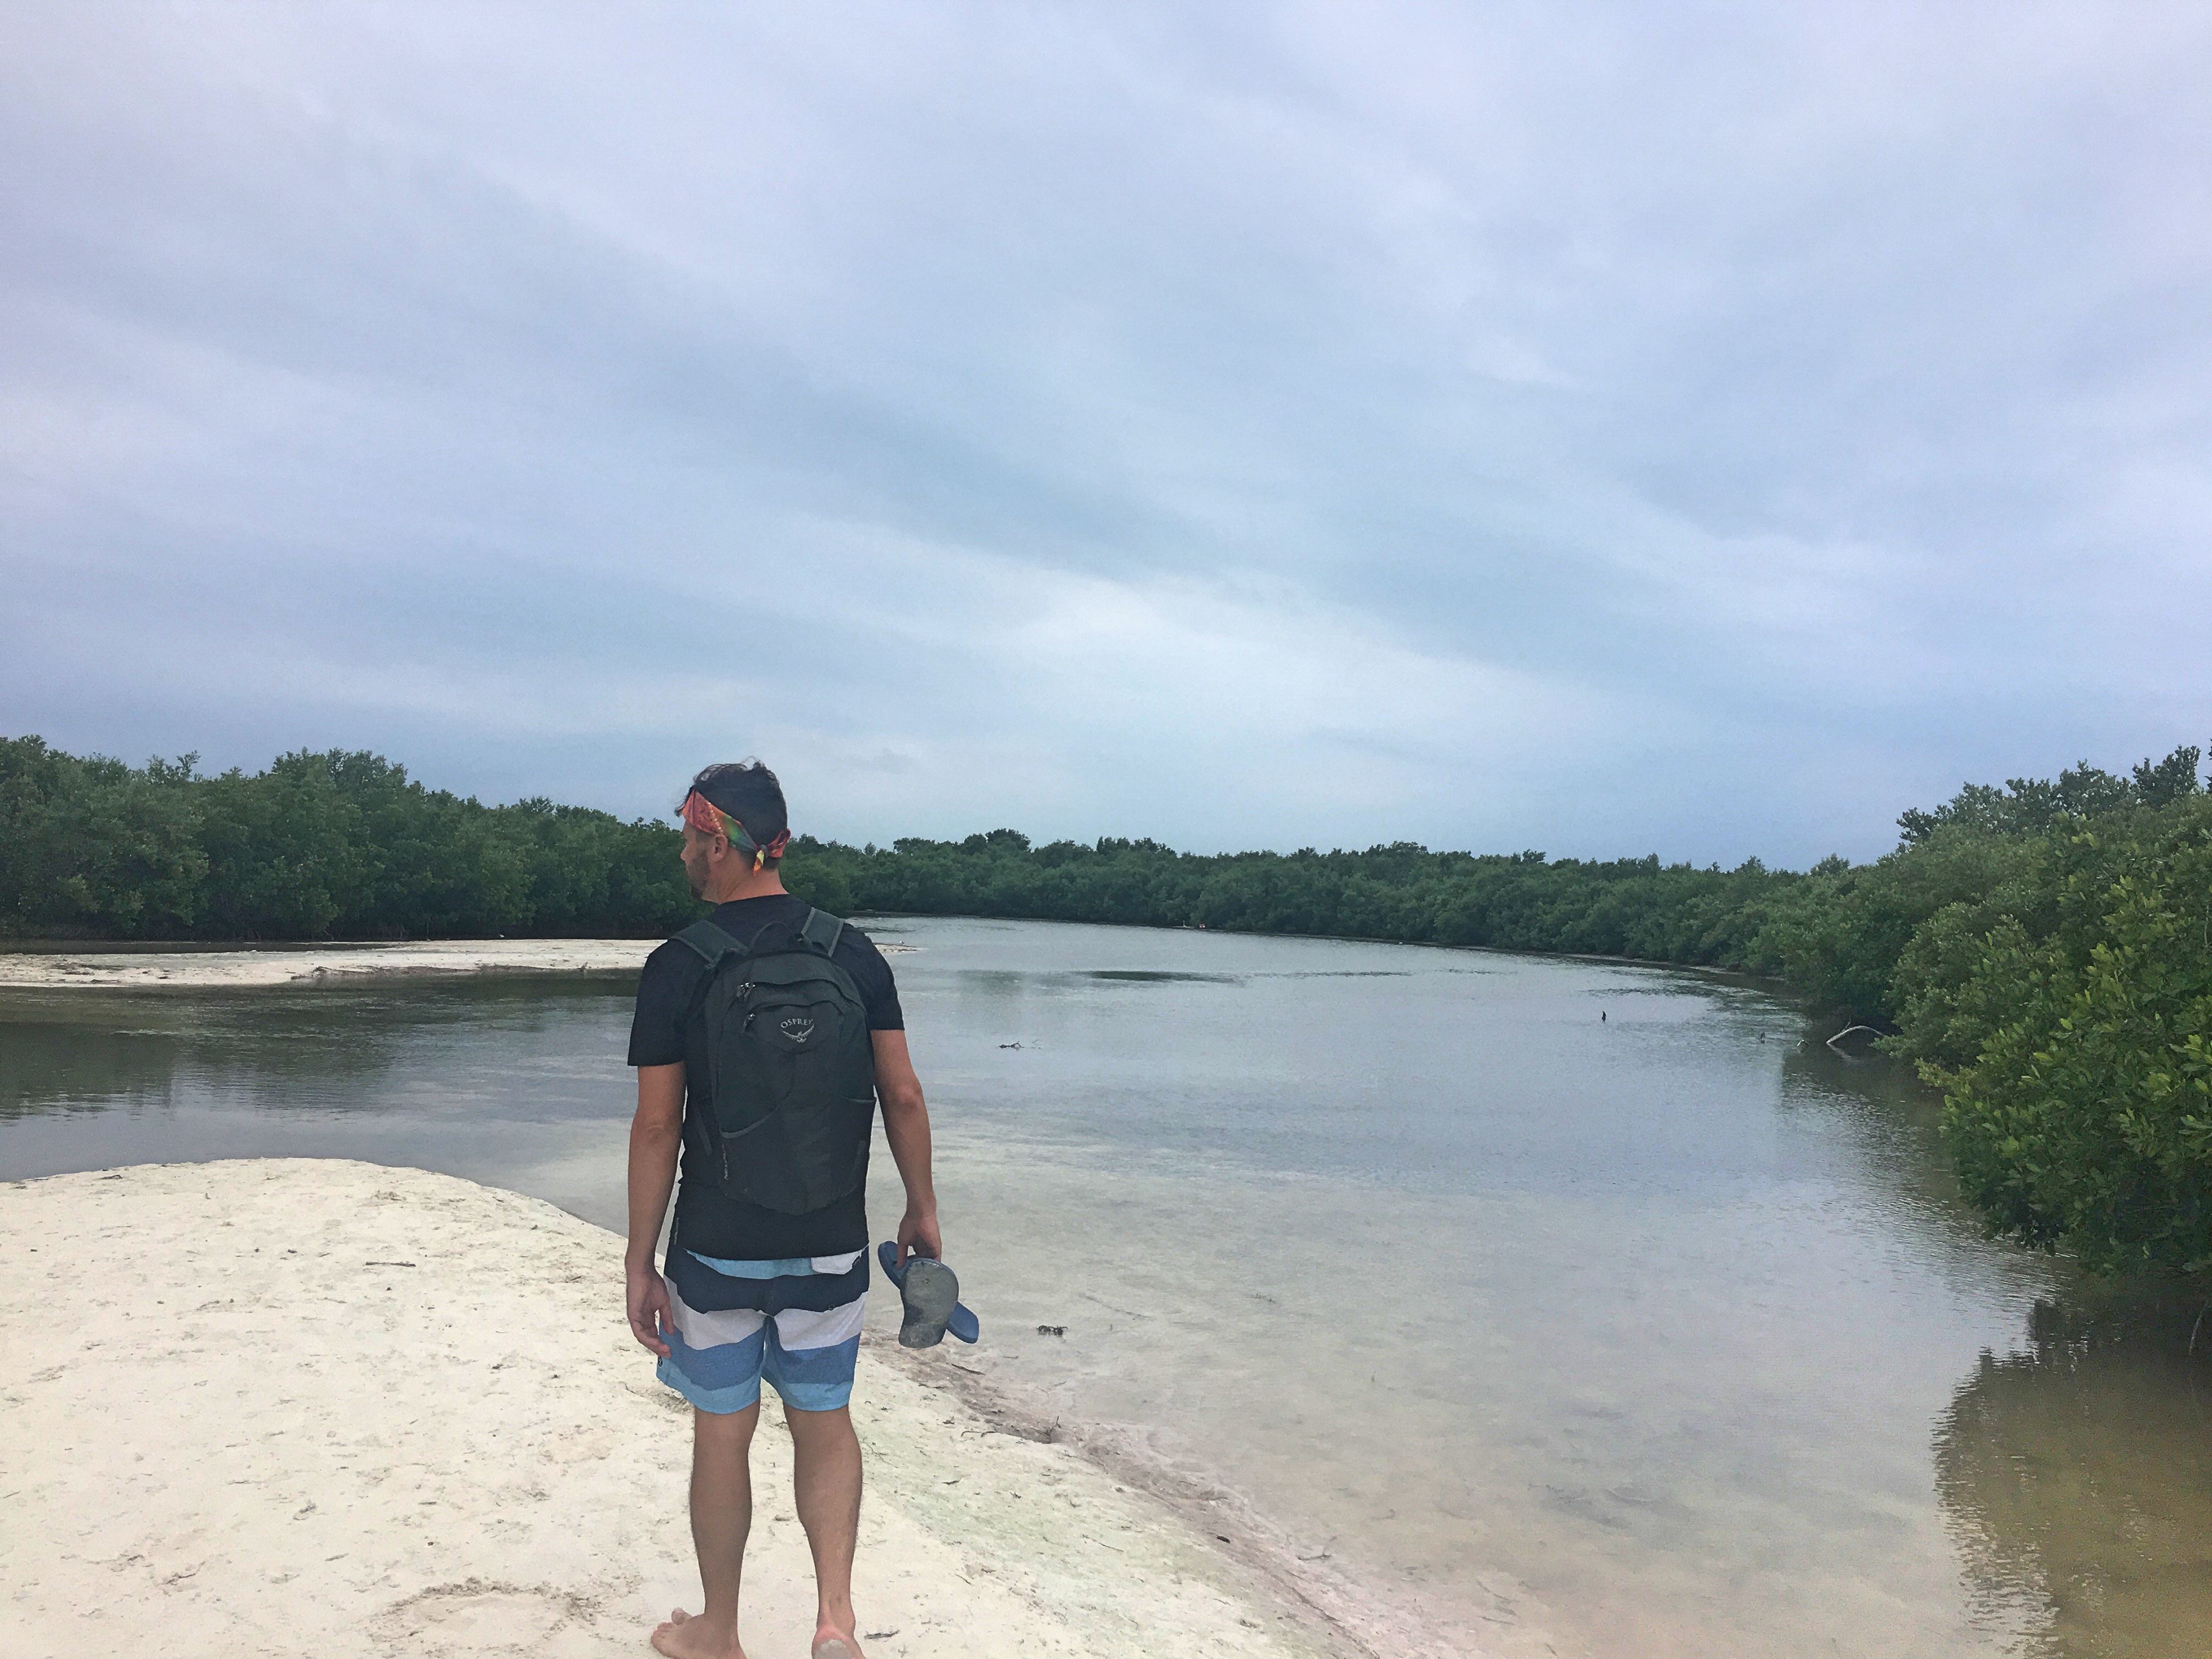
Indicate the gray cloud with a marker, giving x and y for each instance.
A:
(1707, 431)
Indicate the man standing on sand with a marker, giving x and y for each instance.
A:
(756, 1290)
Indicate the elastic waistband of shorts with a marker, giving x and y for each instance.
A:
(789, 1267)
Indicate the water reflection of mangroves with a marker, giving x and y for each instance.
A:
(2078, 1475)
(90, 1051)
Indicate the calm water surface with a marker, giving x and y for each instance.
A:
(1662, 1333)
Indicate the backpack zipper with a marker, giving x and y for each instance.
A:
(721, 1140)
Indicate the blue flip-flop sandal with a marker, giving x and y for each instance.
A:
(931, 1293)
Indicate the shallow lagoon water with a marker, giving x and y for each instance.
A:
(1659, 1333)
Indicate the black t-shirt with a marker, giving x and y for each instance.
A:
(670, 1026)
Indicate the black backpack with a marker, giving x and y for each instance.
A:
(794, 1066)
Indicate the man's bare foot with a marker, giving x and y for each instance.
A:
(685, 1638)
(830, 1643)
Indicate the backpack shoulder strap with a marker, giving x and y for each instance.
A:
(711, 942)
(822, 931)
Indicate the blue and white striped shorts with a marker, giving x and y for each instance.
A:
(796, 1322)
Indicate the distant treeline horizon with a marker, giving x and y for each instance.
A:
(344, 844)
(2039, 949)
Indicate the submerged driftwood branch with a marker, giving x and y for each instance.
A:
(1847, 1031)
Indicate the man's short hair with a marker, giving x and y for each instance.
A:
(749, 792)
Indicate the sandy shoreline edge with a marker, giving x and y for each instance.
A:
(284, 1405)
(309, 964)
(48, 969)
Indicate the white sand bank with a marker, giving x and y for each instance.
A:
(294, 1405)
(124, 970)
(305, 964)
(308, 963)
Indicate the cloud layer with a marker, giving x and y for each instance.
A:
(1705, 431)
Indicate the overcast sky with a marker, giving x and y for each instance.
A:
(1605, 429)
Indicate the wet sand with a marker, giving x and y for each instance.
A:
(302, 1405)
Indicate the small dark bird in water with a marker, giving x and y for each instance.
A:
(1601, 1016)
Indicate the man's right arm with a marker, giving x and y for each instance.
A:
(656, 1136)
(906, 1127)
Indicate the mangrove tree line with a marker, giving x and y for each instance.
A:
(2038, 949)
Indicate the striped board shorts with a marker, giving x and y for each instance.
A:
(796, 1322)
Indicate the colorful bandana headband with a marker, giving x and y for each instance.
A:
(709, 819)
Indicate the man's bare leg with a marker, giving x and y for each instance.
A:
(721, 1516)
(826, 1475)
